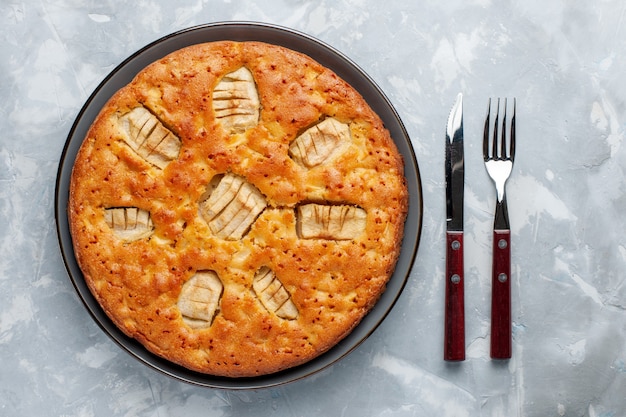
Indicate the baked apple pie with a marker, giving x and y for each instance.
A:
(237, 208)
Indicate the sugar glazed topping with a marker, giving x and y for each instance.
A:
(237, 208)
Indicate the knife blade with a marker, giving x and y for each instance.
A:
(454, 332)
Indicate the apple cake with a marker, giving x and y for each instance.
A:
(237, 208)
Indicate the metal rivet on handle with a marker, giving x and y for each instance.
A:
(502, 244)
(502, 277)
(456, 245)
(456, 278)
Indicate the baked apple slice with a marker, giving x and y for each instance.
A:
(148, 137)
(316, 144)
(331, 222)
(273, 294)
(236, 101)
(199, 299)
(232, 206)
(129, 223)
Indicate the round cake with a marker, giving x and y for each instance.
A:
(237, 208)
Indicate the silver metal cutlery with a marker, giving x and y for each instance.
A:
(454, 333)
(499, 155)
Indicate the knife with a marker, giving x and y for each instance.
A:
(454, 332)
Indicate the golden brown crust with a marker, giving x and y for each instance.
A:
(137, 277)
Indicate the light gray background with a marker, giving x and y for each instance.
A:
(565, 63)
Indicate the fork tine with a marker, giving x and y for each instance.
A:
(512, 147)
(494, 143)
(486, 133)
(503, 154)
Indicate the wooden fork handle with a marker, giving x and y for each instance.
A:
(501, 295)
(454, 332)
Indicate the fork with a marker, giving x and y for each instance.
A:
(499, 155)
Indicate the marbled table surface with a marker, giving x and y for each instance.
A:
(564, 61)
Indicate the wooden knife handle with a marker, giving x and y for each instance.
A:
(501, 295)
(454, 333)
